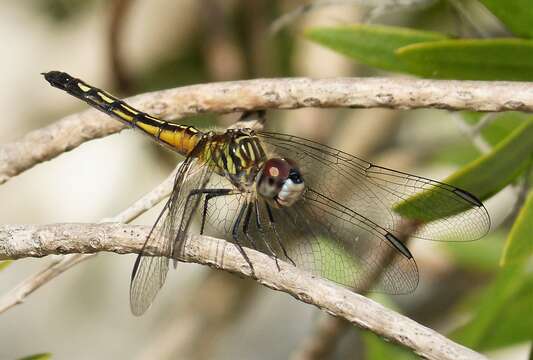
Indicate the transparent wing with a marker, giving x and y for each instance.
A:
(321, 236)
(387, 197)
(149, 272)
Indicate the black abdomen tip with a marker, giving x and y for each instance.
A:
(58, 79)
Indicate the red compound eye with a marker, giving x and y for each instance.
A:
(277, 168)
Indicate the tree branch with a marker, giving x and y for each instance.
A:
(18, 241)
(291, 93)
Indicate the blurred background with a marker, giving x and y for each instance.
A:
(135, 46)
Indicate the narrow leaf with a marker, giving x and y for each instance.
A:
(370, 44)
(470, 59)
(519, 245)
(500, 309)
(503, 315)
(483, 177)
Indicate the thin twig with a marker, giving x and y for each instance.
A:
(474, 131)
(224, 97)
(20, 241)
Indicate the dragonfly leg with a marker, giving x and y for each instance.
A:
(210, 193)
(278, 238)
(191, 194)
(267, 244)
(235, 236)
(246, 223)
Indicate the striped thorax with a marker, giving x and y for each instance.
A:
(236, 154)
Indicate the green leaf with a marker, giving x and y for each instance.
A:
(483, 177)
(517, 15)
(370, 44)
(514, 321)
(503, 314)
(519, 245)
(474, 59)
(4, 264)
(41, 356)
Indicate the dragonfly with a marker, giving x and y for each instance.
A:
(318, 208)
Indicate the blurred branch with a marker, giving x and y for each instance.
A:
(223, 57)
(474, 131)
(20, 241)
(291, 93)
(118, 13)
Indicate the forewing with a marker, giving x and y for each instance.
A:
(168, 234)
(149, 272)
(441, 212)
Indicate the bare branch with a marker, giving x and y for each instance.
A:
(293, 93)
(40, 240)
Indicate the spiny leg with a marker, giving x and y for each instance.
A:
(211, 193)
(192, 193)
(246, 223)
(260, 228)
(273, 226)
(235, 236)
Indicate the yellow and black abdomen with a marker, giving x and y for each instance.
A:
(179, 138)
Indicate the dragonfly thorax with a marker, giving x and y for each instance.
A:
(281, 181)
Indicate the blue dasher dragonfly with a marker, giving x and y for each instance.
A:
(296, 200)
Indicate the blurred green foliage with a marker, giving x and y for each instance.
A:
(517, 15)
(503, 313)
(41, 356)
(4, 264)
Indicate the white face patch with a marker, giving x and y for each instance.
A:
(290, 193)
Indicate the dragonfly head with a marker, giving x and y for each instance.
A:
(281, 181)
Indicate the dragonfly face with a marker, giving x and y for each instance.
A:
(281, 182)
(321, 209)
